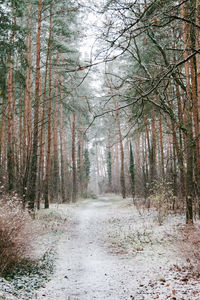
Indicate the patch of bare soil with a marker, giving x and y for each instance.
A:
(113, 251)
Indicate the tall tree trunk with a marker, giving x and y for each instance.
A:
(145, 164)
(109, 163)
(197, 11)
(20, 154)
(132, 172)
(74, 175)
(3, 142)
(49, 137)
(137, 152)
(188, 121)
(42, 119)
(55, 162)
(31, 191)
(61, 151)
(67, 169)
(195, 68)
(10, 147)
(116, 175)
(179, 148)
(80, 159)
(27, 118)
(197, 58)
(152, 158)
(122, 175)
(174, 159)
(161, 147)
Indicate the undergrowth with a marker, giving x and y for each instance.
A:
(162, 198)
(25, 262)
(17, 232)
(28, 276)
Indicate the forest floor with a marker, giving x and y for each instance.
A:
(112, 250)
(109, 248)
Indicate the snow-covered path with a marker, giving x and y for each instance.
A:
(86, 270)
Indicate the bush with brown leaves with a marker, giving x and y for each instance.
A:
(16, 233)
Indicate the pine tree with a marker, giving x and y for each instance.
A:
(132, 171)
(31, 191)
(86, 170)
(109, 168)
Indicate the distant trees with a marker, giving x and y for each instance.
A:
(152, 49)
(150, 95)
(37, 92)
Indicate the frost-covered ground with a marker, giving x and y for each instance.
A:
(48, 228)
(109, 249)
(113, 251)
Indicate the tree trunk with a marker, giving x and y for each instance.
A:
(55, 162)
(61, 152)
(31, 191)
(188, 120)
(132, 172)
(161, 147)
(152, 147)
(27, 118)
(42, 120)
(48, 155)
(74, 175)
(194, 68)
(80, 160)
(10, 147)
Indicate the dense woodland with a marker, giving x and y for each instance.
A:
(120, 115)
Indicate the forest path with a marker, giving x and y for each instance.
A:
(85, 268)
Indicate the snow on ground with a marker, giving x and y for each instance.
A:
(53, 222)
(114, 251)
(111, 249)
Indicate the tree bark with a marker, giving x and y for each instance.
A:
(161, 146)
(55, 162)
(61, 148)
(31, 191)
(10, 149)
(49, 141)
(188, 120)
(74, 175)
(27, 117)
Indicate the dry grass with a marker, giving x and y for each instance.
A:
(16, 233)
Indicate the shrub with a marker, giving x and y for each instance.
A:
(162, 198)
(15, 233)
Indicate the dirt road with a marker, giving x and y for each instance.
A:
(86, 269)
